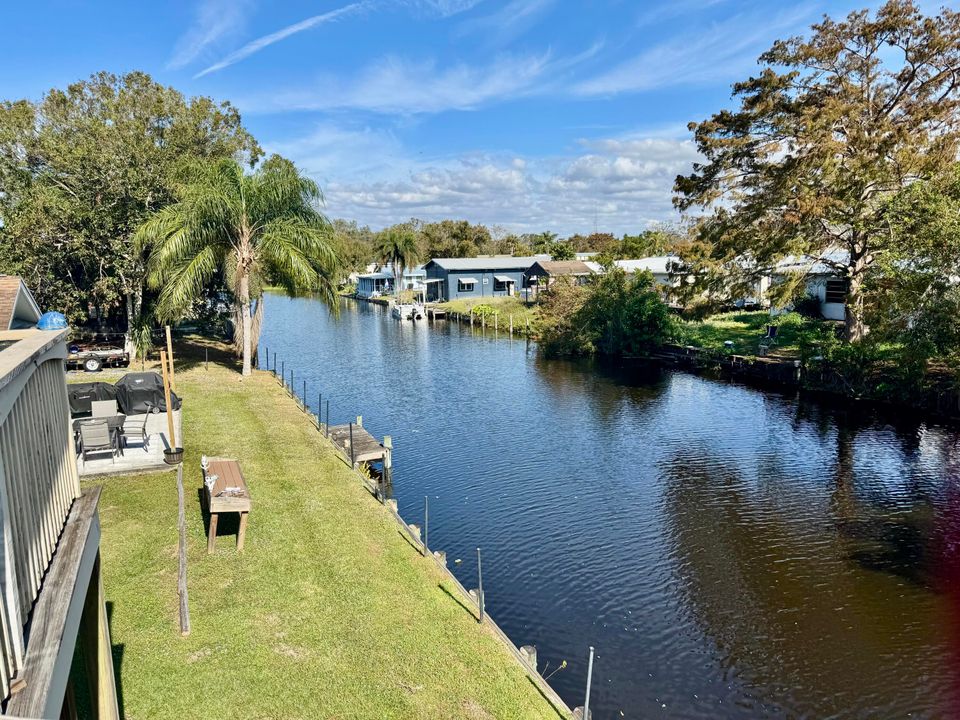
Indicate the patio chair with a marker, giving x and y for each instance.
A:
(95, 438)
(135, 426)
(104, 408)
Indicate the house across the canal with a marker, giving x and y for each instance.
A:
(455, 278)
(375, 284)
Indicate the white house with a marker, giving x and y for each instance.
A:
(821, 280)
(375, 284)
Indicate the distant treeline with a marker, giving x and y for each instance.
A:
(357, 244)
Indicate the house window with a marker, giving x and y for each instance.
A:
(836, 291)
(499, 286)
(465, 285)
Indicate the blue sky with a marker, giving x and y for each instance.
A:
(526, 114)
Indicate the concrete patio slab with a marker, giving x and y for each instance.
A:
(135, 458)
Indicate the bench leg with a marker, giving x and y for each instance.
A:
(212, 538)
(242, 533)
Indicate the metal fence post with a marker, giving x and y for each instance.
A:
(319, 411)
(426, 525)
(586, 700)
(283, 372)
(326, 425)
(480, 585)
(274, 363)
(292, 390)
(304, 395)
(206, 358)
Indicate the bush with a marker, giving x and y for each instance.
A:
(615, 316)
(808, 306)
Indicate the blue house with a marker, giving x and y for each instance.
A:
(455, 278)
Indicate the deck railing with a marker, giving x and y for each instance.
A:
(39, 482)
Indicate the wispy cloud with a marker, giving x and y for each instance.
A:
(666, 11)
(396, 85)
(215, 21)
(703, 56)
(260, 43)
(509, 22)
(448, 8)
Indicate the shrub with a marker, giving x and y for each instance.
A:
(808, 306)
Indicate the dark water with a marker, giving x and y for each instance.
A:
(729, 552)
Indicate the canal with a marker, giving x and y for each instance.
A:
(730, 552)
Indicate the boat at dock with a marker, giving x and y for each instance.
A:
(407, 311)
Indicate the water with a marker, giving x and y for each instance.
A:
(730, 552)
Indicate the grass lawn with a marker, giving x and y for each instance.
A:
(503, 305)
(328, 613)
(746, 328)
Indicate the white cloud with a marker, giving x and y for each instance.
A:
(397, 85)
(699, 57)
(214, 22)
(264, 41)
(624, 184)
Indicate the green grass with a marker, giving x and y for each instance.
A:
(503, 305)
(328, 613)
(746, 328)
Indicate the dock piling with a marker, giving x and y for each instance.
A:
(511, 324)
(206, 359)
(352, 463)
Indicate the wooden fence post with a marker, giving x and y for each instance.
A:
(166, 394)
(173, 385)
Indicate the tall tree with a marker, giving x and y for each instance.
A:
(397, 246)
(82, 168)
(832, 128)
(256, 227)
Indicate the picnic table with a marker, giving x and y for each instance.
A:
(114, 425)
(227, 493)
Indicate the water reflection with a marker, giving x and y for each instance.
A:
(730, 552)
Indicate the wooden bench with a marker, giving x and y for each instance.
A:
(229, 493)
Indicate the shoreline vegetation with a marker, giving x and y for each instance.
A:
(328, 611)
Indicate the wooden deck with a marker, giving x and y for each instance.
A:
(366, 448)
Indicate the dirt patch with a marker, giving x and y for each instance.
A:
(290, 651)
(475, 711)
(199, 655)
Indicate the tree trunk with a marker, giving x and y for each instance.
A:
(134, 307)
(854, 327)
(247, 329)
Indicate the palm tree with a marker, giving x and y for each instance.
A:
(257, 228)
(397, 245)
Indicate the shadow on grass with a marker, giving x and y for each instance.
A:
(470, 609)
(406, 536)
(227, 523)
(117, 652)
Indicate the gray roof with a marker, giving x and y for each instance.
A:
(500, 262)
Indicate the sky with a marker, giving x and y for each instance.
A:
(525, 115)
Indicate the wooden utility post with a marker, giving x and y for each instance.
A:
(170, 356)
(166, 395)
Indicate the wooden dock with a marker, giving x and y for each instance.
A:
(366, 448)
(434, 313)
